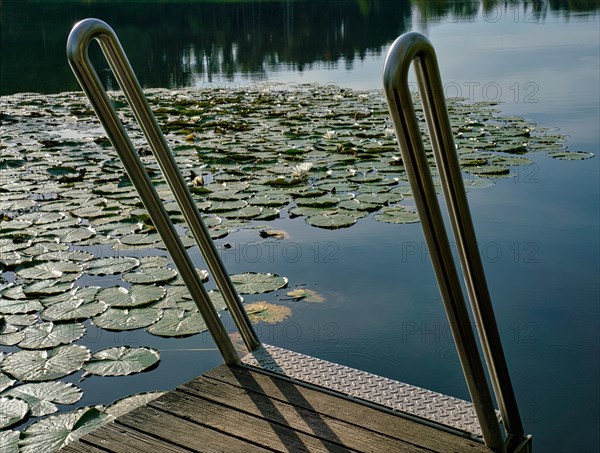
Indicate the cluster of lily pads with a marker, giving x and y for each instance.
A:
(78, 248)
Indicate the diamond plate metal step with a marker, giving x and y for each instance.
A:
(415, 401)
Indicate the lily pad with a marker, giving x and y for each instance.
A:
(570, 155)
(154, 261)
(256, 283)
(111, 266)
(21, 320)
(150, 275)
(489, 170)
(44, 270)
(9, 441)
(306, 295)
(75, 255)
(178, 323)
(45, 365)
(48, 335)
(140, 239)
(127, 319)
(19, 306)
(331, 222)
(121, 361)
(41, 396)
(13, 411)
(72, 309)
(51, 433)
(5, 381)
(397, 214)
(46, 288)
(136, 296)
(129, 403)
(267, 313)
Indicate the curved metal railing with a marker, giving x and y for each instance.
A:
(77, 52)
(416, 48)
(409, 48)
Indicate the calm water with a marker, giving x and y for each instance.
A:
(538, 231)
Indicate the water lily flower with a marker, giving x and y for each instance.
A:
(300, 171)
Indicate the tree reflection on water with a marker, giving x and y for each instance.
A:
(170, 44)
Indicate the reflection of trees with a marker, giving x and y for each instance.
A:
(169, 43)
(433, 10)
(464, 10)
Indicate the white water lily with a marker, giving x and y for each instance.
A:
(300, 171)
(329, 135)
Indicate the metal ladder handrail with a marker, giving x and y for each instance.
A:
(77, 52)
(414, 47)
(407, 48)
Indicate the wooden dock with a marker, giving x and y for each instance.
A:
(241, 409)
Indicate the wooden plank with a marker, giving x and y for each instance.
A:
(298, 418)
(183, 432)
(361, 415)
(116, 437)
(245, 409)
(78, 447)
(254, 429)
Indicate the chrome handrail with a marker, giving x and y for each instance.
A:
(77, 52)
(414, 47)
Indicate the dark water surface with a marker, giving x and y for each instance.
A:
(538, 230)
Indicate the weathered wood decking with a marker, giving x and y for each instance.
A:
(237, 409)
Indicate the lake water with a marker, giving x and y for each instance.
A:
(538, 231)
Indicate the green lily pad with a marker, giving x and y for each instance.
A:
(256, 283)
(48, 335)
(317, 202)
(247, 212)
(154, 261)
(22, 320)
(69, 235)
(9, 441)
(397, 214)
(46, 288)
(127, 319)
(570, 155)
(14, 225)
(129, 403)
(148, 275)
(41, 396)
(45, 270)
(14, 410)
(140, 239)
(136, 296)
(51, 433)
(86, 294)
(331, 222)
(10, 335)
(45, 365)
(73, 309)
(19, 306)
(111, 266)
(121, 361)
(5, 381)
(178, 323)
(75, 255)
(12, 291)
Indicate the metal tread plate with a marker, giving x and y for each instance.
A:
(415, 401)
